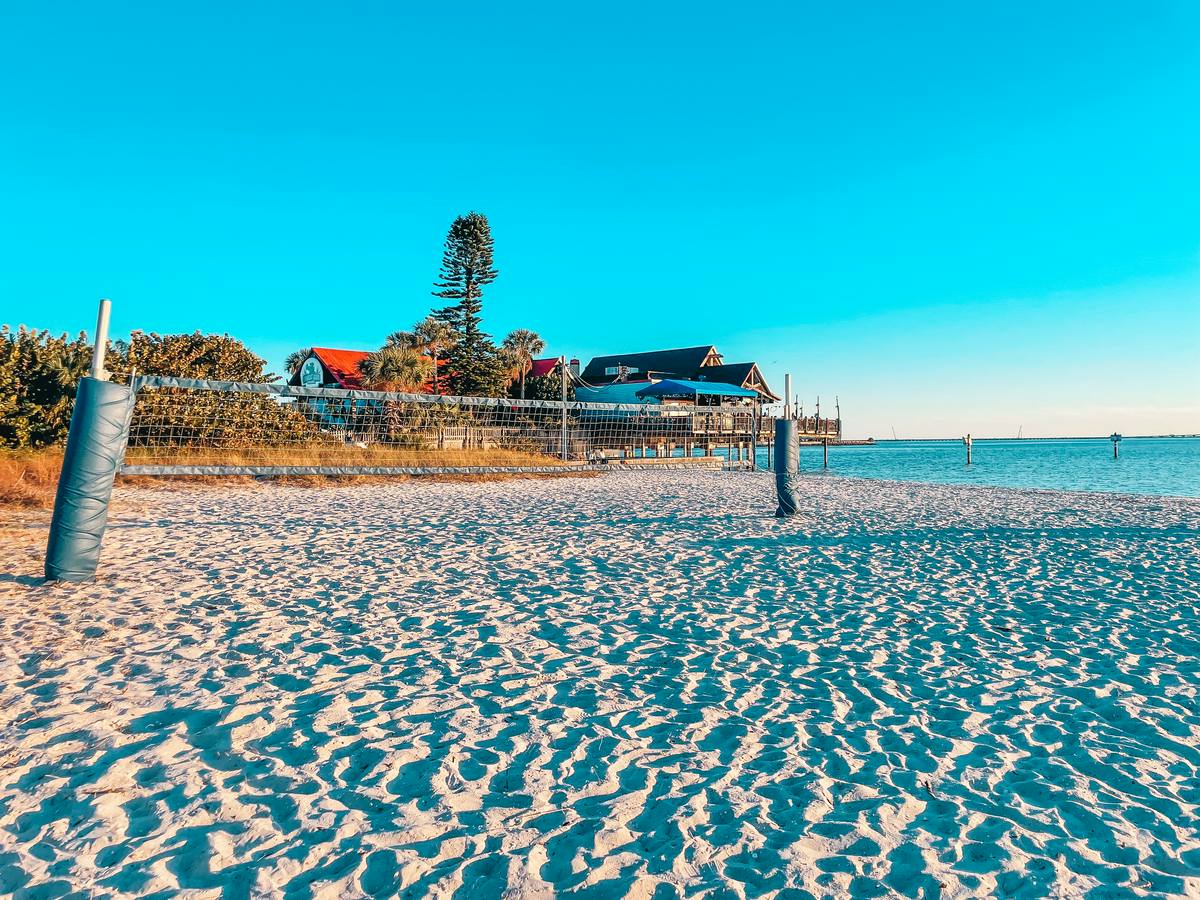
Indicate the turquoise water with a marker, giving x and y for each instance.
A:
(1162, 466)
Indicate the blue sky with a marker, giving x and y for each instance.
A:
(958, 217)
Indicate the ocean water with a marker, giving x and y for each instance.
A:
(1160, 466)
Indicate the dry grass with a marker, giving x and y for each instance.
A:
(340, 455)
(28, 479)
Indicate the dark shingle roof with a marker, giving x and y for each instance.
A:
(685, 361)
(732, 373)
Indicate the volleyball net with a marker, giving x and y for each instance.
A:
(182, 426)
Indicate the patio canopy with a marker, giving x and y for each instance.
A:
(678, 388)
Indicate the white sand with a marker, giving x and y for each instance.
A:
(641, 684)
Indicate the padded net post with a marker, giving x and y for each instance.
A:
(787, 466)
(95, 445)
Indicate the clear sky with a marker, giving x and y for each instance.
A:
(956, 216)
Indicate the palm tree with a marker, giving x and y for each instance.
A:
(523, 345)
(511, 364)
(430, 335)
(437, 337)
(296, 359)
(395, 368)
(406, 339)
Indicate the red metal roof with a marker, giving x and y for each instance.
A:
(342, 364)
(543, 367)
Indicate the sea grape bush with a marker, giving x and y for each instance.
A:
(39, 373)
(192, 419)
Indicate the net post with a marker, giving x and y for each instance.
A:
(562, 365)
(787, 466)
(95, 444)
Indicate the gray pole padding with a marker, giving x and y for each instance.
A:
(95, 445)
(787, 466)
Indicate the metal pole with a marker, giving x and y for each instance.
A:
(787, 395)
(826, 442)
(967, 441)
(754, 437)
(562, 362)
(101, 345)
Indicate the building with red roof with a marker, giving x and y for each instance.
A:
(329, 367)
(543, 367)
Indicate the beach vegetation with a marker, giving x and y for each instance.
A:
(395, 368)
(214, 357)
(549, 386)
(432, 337)
(29, 478)
(39, 372)
(187, 417)
(295, 360)
(519, 348)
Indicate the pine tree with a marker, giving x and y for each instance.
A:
(467, 266)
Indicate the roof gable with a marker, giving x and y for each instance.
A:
(746, 375)
(543, 367)
(341, 366)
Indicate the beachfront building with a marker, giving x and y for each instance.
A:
(695, 375)
(326, 367)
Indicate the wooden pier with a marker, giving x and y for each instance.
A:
(731, 436)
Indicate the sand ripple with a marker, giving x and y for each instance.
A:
(638, 685)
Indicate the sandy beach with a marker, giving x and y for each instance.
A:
(635, 685)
